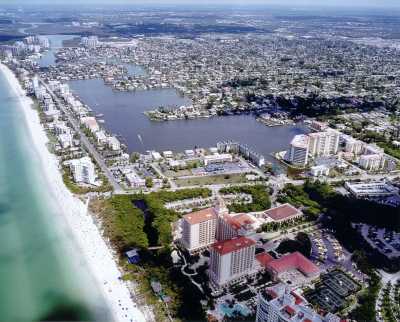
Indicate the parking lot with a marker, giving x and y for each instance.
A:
(327, 253)
(385, 241)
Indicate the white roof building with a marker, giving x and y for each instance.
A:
(113, 143)
(217, 158)
(65, 140)
(83, 170)
(299, 148)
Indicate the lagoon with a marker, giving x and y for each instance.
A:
(123, 115)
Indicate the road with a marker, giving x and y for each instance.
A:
(85, 141)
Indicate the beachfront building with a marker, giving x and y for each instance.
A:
(65, 140)
(199, 229)
(202, 228)
(83, 170)
(278, 304)
(299, 150)
(61, 128)
(324, 143)
(231, 260)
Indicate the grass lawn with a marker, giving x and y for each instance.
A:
(208, 180)
(179, 173)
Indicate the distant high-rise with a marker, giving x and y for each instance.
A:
(90, 42)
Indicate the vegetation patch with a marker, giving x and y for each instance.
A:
(259, 194)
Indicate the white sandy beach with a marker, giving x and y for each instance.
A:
(95, 251)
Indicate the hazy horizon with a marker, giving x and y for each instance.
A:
(230, 3)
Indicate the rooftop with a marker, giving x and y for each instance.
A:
(231, 245)
(300, 141)
(264, 259)
(293, 261)
(282, 212)
(238, 221)
(200, 216)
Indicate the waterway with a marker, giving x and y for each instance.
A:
(56, 42)
(42, 274)
(123, 115)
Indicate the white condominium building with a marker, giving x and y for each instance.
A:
(299, 149)
(231, 260)
(199, 229)
(217, 158)
(83, 170)
(278, 304)
(372, 162)
(113, 143)
(90, 42)
(324, 143)
(352, 145)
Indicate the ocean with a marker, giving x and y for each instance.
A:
(42, 275)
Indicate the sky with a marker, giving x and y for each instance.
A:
(330, 3)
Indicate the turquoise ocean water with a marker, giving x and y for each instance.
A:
(40, 278)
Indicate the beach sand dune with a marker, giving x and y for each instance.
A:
(74, 212)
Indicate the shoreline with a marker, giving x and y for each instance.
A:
(97, 255)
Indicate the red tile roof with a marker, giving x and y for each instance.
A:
(293, 261)
(228, 246)
(238, 221)
(282, 212)
(298, 299)
(289, 310)
(200, 216)
(272, 293)
(264, 258)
